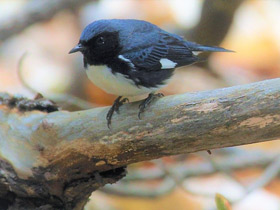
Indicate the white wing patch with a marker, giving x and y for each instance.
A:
(167, 64)
(126, 60)
(196, 52)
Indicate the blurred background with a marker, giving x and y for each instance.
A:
(36, 36)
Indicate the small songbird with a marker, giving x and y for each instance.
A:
(139, 57)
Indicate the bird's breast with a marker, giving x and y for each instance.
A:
(115, 83)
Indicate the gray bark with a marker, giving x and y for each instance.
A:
(55, 159)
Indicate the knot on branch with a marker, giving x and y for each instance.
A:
(23, 104)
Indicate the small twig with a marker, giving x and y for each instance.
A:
(57, 97)
(72, 100)
(166, 186)
(230, 162)
(178, 180)
(270, 173)
(226, 171)
(179, 172)
(21, 74)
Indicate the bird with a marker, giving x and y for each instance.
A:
(138, 58)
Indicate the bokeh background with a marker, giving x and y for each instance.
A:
(36, 36)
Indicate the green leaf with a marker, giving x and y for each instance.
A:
(222, 203)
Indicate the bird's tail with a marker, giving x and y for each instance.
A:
(204, 48)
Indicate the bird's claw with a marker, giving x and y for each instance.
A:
(146, 102)
(115, 108)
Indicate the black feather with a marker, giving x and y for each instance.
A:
(136, 48)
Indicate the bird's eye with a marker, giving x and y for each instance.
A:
(100, 40)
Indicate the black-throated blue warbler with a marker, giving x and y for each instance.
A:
(140, 58)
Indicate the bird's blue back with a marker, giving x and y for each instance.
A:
(145, 43)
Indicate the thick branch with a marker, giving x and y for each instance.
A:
(66, 152)
(174, 125)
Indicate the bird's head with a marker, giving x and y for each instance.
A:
(99, 43)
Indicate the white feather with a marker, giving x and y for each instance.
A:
(126, 60)
(117, 83)
(167, 64)
(196, 52)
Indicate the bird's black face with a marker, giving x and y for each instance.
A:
(100, 49)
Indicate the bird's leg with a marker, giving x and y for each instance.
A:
(146, 102)
(115, 108)
(121, 102)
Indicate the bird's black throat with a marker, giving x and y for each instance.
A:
(95, 54)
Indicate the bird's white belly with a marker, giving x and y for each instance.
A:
(116, 84)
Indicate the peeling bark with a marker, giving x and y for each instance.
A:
(54, 159)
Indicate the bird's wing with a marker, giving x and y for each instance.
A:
(160, 52)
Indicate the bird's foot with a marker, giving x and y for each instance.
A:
(115, 108)
(146, 102)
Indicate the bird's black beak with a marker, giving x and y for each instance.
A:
(78, 48)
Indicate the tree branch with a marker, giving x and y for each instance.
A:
(60, 157)
(181, 170)
(33, 12)
(215, 22)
